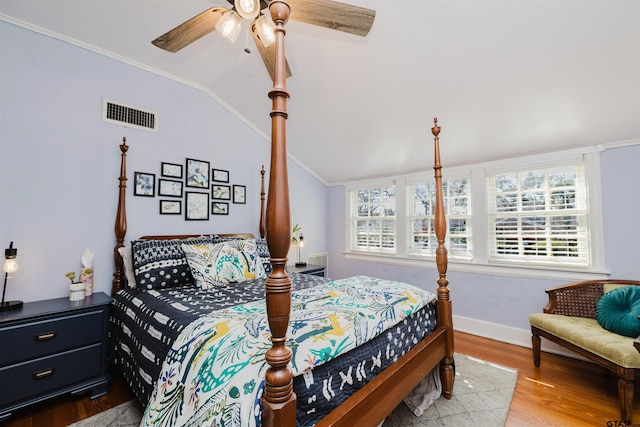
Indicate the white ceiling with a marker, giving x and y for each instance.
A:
(505, 78)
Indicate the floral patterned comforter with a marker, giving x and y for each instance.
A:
(213, 375)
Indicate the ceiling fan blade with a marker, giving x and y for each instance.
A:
(268, 53)
(334, 15)
(190, 30)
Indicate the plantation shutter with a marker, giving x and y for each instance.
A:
(539, 216)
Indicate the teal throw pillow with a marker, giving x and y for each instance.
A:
(617, 311)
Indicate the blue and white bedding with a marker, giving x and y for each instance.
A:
(147, 324)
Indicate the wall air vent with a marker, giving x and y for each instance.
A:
(128, 116)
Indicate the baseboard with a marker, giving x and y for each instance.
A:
(508, 334)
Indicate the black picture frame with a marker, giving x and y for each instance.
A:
(144, 184)
(196, 206)
(170, 207)
(171, 170)
(219, 208)
(197, 173)
(239, 194)
(169, 188)
(221, 192)
(220, 175)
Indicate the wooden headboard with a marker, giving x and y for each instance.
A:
(190, 236)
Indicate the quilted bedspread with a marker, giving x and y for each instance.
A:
(213, 374)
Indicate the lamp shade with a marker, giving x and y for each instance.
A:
(229, 25)
(248, 9)
(10, 263)
(266, 30)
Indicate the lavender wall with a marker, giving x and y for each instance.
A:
(621, 200)
(508, 301)
(59, 161)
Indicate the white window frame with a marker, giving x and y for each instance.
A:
(353, 218)
(481, 261)
(464, 255)
(534, 244)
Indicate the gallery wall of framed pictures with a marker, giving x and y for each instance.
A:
(202, 190)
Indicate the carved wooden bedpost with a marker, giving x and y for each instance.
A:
(444, 302)
(121, 219)
(263, 228)
(278, 401)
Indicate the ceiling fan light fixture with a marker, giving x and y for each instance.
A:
(229, 25)
(248, 9)
(266, 30)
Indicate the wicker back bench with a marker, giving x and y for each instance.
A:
(569, 320)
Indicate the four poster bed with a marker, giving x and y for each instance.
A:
(197, 348)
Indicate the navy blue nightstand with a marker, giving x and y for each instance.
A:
(53, 347)
(316, 270)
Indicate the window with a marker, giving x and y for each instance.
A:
(539, 216)
(373, 219)
(421, 199)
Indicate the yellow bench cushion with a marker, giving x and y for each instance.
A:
(588, 334)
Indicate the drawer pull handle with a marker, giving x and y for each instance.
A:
(43, 374)
(45, 336)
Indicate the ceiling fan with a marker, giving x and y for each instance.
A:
(228, 21)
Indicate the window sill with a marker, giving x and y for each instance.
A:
(536, 272)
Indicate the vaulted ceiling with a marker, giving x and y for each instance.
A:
(505, 78)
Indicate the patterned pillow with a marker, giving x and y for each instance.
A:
(223, 263)
(261, 248)
(202, 260)
(219, 239)
(251, 251)
(161, 263)
(263, 253)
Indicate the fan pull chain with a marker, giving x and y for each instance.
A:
(246, 44)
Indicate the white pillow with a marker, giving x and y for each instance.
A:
(127, 260)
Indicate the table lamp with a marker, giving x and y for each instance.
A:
(10, 266)
(300, 247)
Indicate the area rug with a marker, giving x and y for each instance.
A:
(482, 394)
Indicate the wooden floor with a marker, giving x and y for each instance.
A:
(563, 392)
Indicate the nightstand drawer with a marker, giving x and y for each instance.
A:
(45, 374)
(29, 340)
